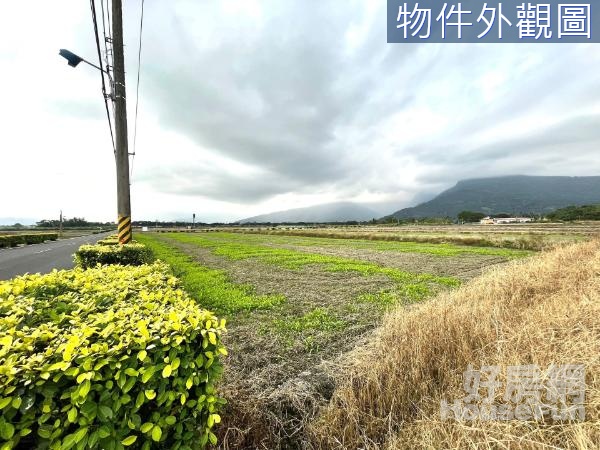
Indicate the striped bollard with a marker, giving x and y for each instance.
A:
(124, 230)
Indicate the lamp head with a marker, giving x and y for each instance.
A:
(71, 58)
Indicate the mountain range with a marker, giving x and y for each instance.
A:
(329, 212)
(512, 194)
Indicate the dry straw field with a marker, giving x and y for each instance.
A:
(539, 311)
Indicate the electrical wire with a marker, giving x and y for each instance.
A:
(93, 7)
(106, 38)
(108, 52)
(137, 89)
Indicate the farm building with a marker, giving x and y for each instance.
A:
(502, 220)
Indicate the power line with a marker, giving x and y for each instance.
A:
(106, 38)
(137, 89)
(93, 7)
(108, 22)
(108, 45)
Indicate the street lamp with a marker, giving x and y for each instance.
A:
(73, 60)
(117, 95)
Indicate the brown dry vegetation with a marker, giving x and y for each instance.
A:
(522, 240)
(542, 310)
(530, 236)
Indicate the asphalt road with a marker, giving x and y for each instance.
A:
(44, 257)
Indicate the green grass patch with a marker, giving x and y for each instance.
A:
(406, 293)
(435, 249)
(309, 329)
(383, 299)
(211, 288)
(296, 259)
(319, 319)
(312, 330)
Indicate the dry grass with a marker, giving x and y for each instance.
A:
(519, 241)
(539, 311)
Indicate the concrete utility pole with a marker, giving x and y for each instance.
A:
(121, 151)
(60, 228)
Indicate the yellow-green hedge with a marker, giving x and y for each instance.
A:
(107, 357)
(108, 241)
(113, 239)
(12, 240)
(128, 255)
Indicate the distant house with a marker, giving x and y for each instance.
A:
(503, 220)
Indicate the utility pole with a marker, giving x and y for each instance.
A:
(60, 227)
(121, 151)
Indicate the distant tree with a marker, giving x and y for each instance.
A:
(502, 215)
(570, 213)
(470, 216)
(75, 222)
(47, 223)
(436, 220)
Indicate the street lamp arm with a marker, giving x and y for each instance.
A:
(95, 66)
(73, 60)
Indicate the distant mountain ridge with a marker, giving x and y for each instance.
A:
(330, 212)
(6, 221)
(514, 194)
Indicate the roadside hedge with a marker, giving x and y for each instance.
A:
(127, 255)
(110, 240)
(108, 358)
(12, 240)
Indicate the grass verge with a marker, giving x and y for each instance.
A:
(210, 287)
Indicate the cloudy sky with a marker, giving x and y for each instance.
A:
(251, 106)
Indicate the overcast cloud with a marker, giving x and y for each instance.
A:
(251, 106)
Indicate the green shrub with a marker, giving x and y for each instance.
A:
(105, 358)
(108, 241)
(127, 255)
(113, 239)
(12, 240)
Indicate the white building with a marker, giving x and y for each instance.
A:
(503, 220)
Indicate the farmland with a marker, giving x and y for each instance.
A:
(346, 342)
(294, 304)
(542, 311)
(533, 236)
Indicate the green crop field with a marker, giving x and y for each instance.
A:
(293, 303)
